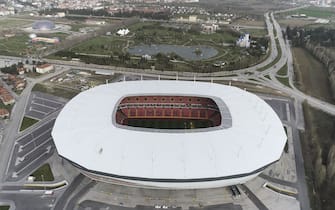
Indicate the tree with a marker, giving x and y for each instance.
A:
(289, 32)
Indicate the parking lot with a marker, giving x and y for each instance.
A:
(40, 105)
(282, 107)
(30, 151)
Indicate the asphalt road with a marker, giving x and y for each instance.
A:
(253, 198)
(29, 201)
(62, 201)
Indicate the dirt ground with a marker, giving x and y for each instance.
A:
(311, 75)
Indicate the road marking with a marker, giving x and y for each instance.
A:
(18, 172)
(43, 105)
(36, 147)
(18, 160)
(53, 101)
(41, 112)
(288, 113)
(33, 137)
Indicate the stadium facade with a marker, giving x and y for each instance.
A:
(169, 134)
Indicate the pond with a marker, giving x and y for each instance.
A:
(192, 53)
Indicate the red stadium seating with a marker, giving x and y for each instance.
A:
(168, 107)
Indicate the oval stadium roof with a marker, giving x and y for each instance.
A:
(85, 134)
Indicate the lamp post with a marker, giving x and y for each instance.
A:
(42, 176)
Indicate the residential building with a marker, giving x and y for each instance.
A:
(44, 68)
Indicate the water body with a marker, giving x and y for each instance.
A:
(186, 52)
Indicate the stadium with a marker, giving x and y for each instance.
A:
(169, 134)
(43, 25)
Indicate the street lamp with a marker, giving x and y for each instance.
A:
(42, 176)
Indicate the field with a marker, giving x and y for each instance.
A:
(311, 75)
(251, 7)
(330, 25)
(294, 22)
(6, 23)
(102, 45)
(4, 207)
(77, 26)
(318, 12)
(17, 45)
(255, 32)
(249, 22)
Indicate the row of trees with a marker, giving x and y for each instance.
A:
(320, 35)
(53, 11)
(149, 15)
(105, 13)
(11, 69)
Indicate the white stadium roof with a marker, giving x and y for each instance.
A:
(85, 134)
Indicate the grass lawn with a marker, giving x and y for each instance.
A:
(249, 22)
(255, 32)
(27, 122)
(8, 107)
(76, 27)
(59, 35)
(330, 25)
(11, 23)
(19, 45)
(283, 70)
(44, 173)
(14, 45)
(311, 75)
(284, 81)
(319, 12)
(103, 45)
(4, 207)
(294, 22)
